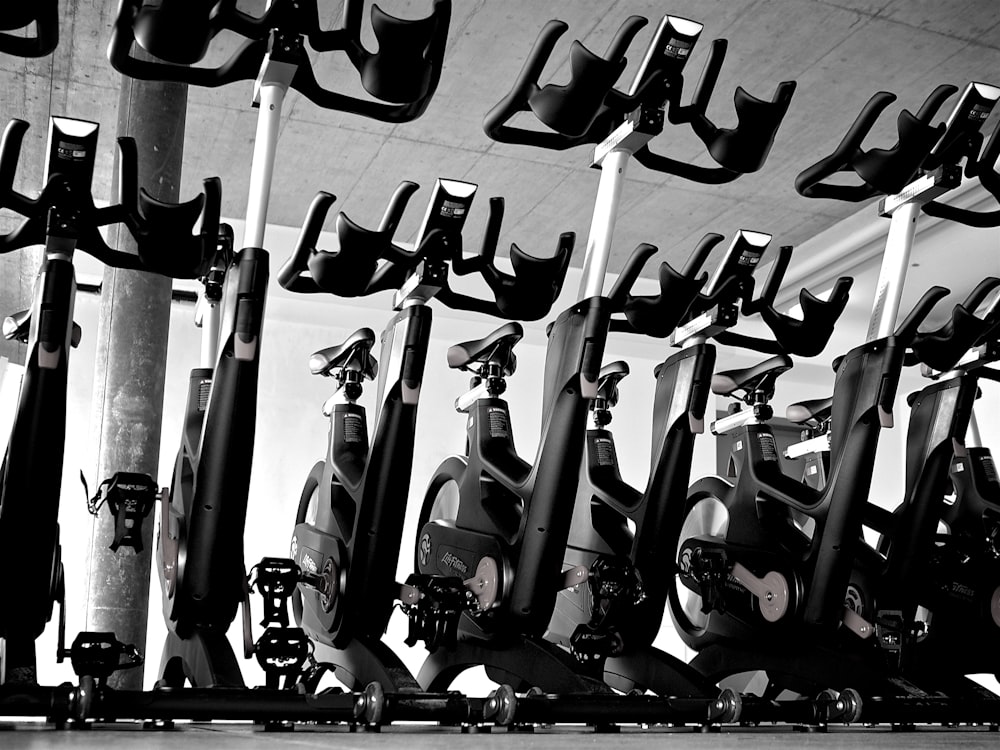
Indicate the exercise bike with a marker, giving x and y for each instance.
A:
(64, 219)
(200, 545)
(622, 533)
(349, 522)
(764, 563)
(490, 517)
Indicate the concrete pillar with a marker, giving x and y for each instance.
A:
(130, 370)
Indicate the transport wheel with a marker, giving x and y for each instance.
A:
(374, 700)
(306, 513)
(503, 702)
(706, 515)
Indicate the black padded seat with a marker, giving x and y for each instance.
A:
(16, 327)
(356, 347)
(815, 411)
(760, 377)
(497, 345)
(607, 381)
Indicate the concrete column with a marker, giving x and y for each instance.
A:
(130, 370)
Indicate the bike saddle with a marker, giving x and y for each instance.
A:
(811, 413)
(607, 381)
(17, 326)
(353, 354)
(496, 347)
(759, 378)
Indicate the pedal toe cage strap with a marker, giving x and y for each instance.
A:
(18, 16)
(403, 73)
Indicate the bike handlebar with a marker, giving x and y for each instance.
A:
(66, 205)
(809, 336)
(984, 168)
(589, 107)
(403, 73)
(657, 315)
(906, 331)
(529, 293)
(941, 348)
(18, 16)
(354, 270)
(882, 171)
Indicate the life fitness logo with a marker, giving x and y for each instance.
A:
(425, 549)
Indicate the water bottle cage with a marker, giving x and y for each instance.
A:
(275, 579)
(130, 497)
(403, 73)
(18, 17)
(434, 608)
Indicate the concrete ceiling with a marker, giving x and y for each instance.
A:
(840, 52)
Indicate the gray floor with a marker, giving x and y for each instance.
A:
(243, 737)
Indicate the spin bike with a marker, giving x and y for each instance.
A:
(490, 517)
(930, 585)
(764, 563)
(64, 219)
(200, 546)
(604, 618)
(349, 522)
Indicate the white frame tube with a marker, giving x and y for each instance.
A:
(272, 95)
(895, 263)
(602, 226)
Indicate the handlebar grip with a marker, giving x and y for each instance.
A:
(18, 16)
(410, 54)
(10, 154)
(772, 285)
(809, 336)
(529, 293)
(290, 275)
(986, 169)
(488, 249)
(397, 205)
(941, 348)
(525, 84)
(576, 112)
(908, 328)
(657, 315)
(704, 249)
(630, 273)
(809, 182)
(882, 171)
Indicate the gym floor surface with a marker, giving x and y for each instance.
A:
(244, 737)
